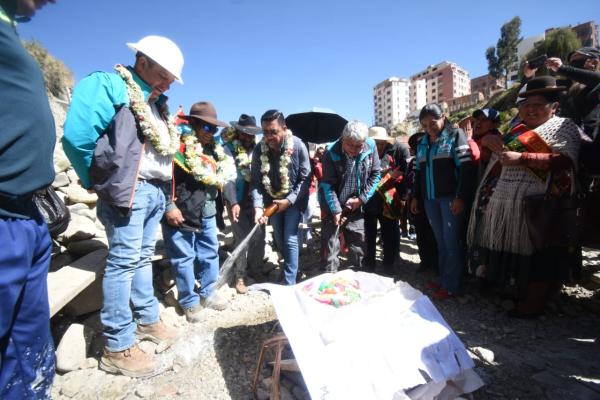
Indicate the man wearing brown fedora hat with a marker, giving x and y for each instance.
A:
(202, 168)
(240, 140)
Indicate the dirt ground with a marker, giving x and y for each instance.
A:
(553, 357)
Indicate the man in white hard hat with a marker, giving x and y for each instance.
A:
(121, 141)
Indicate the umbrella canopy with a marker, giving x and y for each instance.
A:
(318, 125)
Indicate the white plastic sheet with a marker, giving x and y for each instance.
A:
(392, 344)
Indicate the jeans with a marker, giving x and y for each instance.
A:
(285, 233)
(26, 347)
(193, 255)
(447, 229)
(128, 273)
(251, 259)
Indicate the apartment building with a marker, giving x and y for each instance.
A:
(487, 85)
(391, 101)
(443, 81)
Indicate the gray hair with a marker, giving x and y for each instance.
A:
(355, 130)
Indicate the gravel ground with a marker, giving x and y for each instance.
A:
(554, 357)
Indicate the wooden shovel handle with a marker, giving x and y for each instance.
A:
(270, 210)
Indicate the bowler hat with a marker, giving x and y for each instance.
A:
(246, 124)
(541, 85)
(204, 111)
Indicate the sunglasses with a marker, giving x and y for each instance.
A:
(208, 128)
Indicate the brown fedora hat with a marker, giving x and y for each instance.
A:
(205, 111)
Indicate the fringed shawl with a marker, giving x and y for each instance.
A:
(503, 225)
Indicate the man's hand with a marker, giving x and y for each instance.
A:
(510, 158)
(282, 205)
(528, 72)
(258, 216)
(337, 219)
(414, 206)
(235, 212)
(554, 63)
(353, 203)
(493, 142)
(174, 217)
(457, 206)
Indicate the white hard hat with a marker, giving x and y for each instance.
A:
(162, 50)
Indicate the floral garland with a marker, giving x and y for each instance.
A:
(242, 158)
(284, 161)
(165, 145)
(212, 171)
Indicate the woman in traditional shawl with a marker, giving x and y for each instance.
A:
(498, 234)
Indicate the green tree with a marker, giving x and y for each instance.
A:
(502, 58)
(57, 75)
(559, 43)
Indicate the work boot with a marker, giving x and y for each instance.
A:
(157, 332)
(194, 314)
(214, 301)
(240, 286)
(131, 362)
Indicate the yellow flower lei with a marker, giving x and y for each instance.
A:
(242, 158)
(284, 160)
(165, 145)
(212, 171)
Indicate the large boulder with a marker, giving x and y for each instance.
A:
(77, 194)
(71, 352)
(80, 228)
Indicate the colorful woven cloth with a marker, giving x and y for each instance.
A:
(335, 291)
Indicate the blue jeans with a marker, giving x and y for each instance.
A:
(285, 233)
(448, 230)
(128, 273)
(194, 255)
(26, 347)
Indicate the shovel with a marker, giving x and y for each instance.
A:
(226, 267)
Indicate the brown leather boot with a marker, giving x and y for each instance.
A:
(157, 332)
(131, 362)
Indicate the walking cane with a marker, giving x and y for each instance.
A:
(226, 267)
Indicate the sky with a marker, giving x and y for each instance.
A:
(248, 56)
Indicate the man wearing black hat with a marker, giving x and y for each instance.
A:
(240, 141)
(202, 168)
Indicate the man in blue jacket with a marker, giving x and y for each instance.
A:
(351, 173)
(121, 141)
(27, 139)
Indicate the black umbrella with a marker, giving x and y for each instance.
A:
(316, 126)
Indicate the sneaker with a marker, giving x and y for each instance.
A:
(442, 294)
(131, 362)
(194, 314)
(240, 286)
(157, 332)
(214, 301)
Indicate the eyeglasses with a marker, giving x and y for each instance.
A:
(209, 128)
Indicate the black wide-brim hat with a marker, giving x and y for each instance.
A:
(204, 111)
(246, 124)
(541, 85)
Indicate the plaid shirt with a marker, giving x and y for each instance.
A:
(350, 186)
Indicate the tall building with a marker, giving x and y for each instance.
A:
(587, 33)
(443, 81)
(391, 101)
